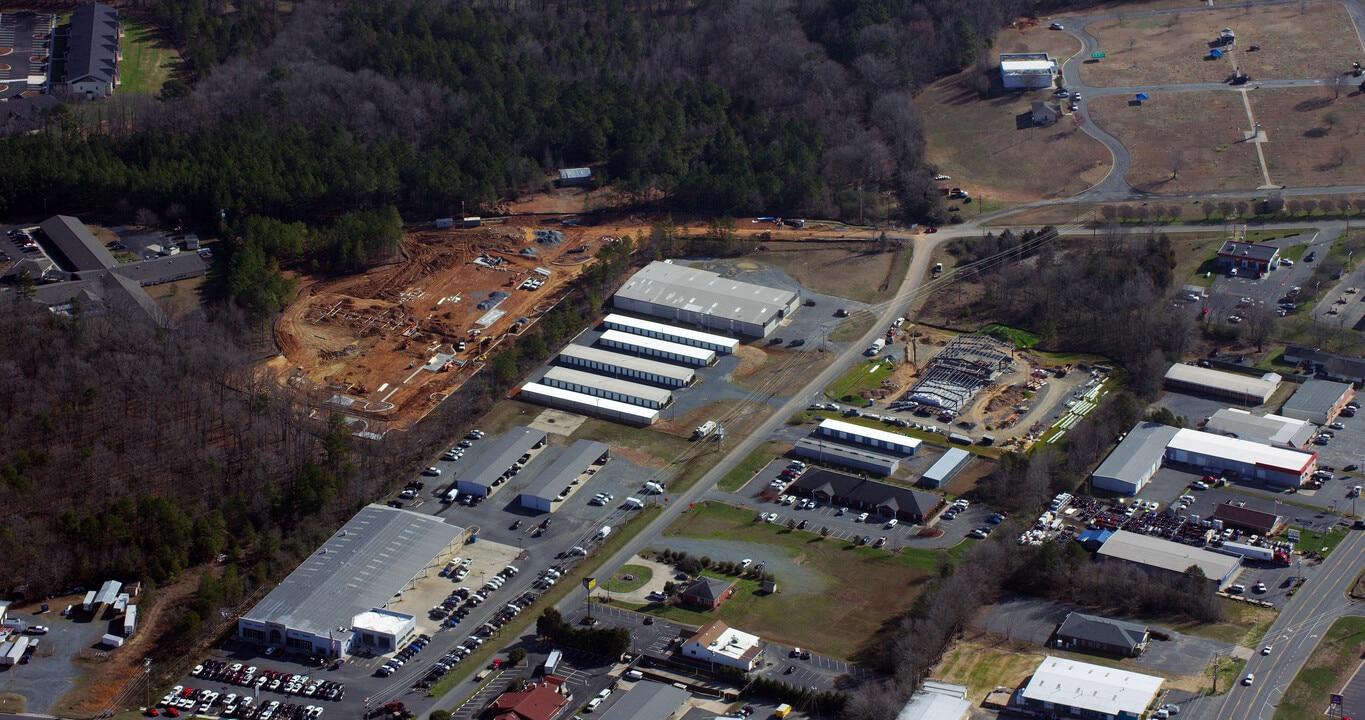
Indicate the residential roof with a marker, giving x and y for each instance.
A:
(1316, 396)
(73, 240)
(540, 700)
(1245, 451)
(868, 492)
(1246, 517)
(647, 701)
(870, 433)
(1250, 251)
(1044, 107)
(700, 291)
(631, 340)
(1161, 553)
(559, 375)
(626, 323)
(1099, 689)
(708, 589)
(93, 46)
(1103, 630)
(1268, 429)
(1224, 381)
(566, 468)
(1134, 456)
(1343, 366)
(506, 451)
(680, 373)
(546, 393)
(374, 555)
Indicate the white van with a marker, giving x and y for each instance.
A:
(634, 502)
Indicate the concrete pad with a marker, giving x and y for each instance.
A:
(557, 422)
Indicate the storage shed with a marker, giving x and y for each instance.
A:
(945, 468)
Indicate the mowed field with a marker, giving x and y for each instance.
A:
(1311, 138)
(147, 59)
(1200, 132)
(834, 619)
(1301, 40)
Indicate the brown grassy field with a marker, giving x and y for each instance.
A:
(1312, 139)
(1296, 41)
(1202, 129)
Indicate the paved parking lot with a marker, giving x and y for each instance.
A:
(1226, 292)
(17, 31)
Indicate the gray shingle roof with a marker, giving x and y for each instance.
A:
(1107, 631)
(708, 589)
(92, 51)
(82, 250)
(362, 566)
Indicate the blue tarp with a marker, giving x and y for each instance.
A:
(1216, 53)
(1143, 96)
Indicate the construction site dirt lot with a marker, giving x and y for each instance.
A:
(1300, 40)
(385, 341)
(1311, 138)
(1183, 142)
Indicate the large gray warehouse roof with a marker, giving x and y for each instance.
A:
(647, 701)
(862, 458)
(1161, 553)
(370, 558)
(517, 442)
(1143, 447)
(704, 292)
(682, 374)
(1315, 397)
(577, 458)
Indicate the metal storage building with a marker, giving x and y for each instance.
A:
(1265, 429)
(689, 295)
(1134, 460)
(499, 459)
(130, 621)
(822, 450)
(627, 366)
(671, 333)
(1275, 465)
(575, 177)
(1318, 401)
(625, 391)
(871, 437)
(579, 458)
(1062, 686)
(376, 555)
(1027, 70)
(107, 596)
(648, 701)
(1242, 389)
(588, 405)
(662, 349)
(1169, 558)
(945, 468)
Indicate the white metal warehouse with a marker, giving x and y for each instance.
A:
(1134, 460)
(602, 386)
(871, 437)
(374, 556)
(499, 459)
(662, 349)
(1239, 388)
(1027, 70)
(1160, 555)
(1318, 401)
(627, 366)
(698, 297)
(1276, 465)
(588, 405)
(945, 468)
(671, 333)
(581, 457)
(856, 458)
(1071, 687)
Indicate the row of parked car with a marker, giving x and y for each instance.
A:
(272, 680)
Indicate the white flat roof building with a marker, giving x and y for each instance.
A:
(721, 644)
(1240, 388)
(654, 347)
(946, 467)
(690, 295)
(627, 366)
(611, 388)
(1091, 690)
(382, 631)
(1171, 557)
(613, 410)
(871, 437)
(671, 333)
(1265, 429)
(1278, 465)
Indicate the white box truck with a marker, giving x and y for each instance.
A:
(877, 346)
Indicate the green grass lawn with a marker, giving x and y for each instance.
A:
(1294, 252)
(1326, 671)
(639, 575)
(745, 470)
(1314, 541)
(860, 377)
(1021, 338)
(147, 60)
(836, 619)
(1242, 624)
(1255, 236)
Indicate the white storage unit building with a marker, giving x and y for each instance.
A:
(579, 458)
(671, 333)
(630, 367)
(16, 650)
(697, 297)
(870, 437)
(945, 468)
(130, 621)
(481, 481)
(856, 458)
(610, 388)
(578, 402)
(662, 349)
(1134, 460)
(1275, 465)
(1239, 388)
